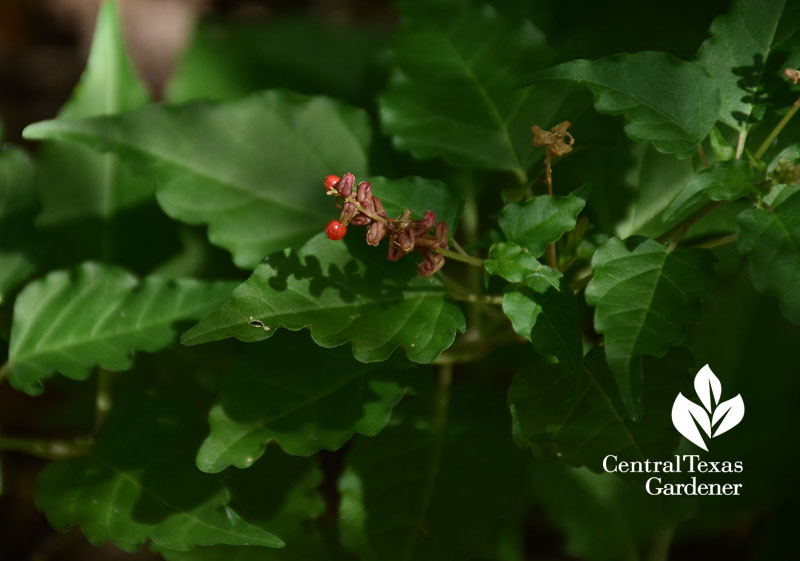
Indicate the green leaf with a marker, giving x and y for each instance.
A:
(419, 195)
(747, 50)
(342, 292)
(668, 102)
(582, 422)
(251, 170)
(98, 315)
(723, 181)
(515, 263)
(644, 300)
(74, 181)
(285, 395)
(452, 93)
(433, 490)
(539, 221)
(230, 59)
(539, 303)
(17, 205)
(139, 483)
(771, 241)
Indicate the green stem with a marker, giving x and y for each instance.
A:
(103, 400)
(496, 300)
(474, 261)
(4, 370)
(716, 242)
(678, 232)
(776, 131)
(47, 449)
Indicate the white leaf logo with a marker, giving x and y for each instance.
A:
(687, 416)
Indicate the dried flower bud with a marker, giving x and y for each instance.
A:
(360, 219)
(376, 232)
(364, 192)
(423, 226)
(431, 262)
(406, 240)
(348, 212)
(345, 185)
(394, 253)
(793, 75)
(557, 140)
(379, 210)
(443, 234)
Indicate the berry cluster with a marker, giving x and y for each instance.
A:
(405, 234)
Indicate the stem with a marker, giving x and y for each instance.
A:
(495, 300)
(47, 449)
(776, 131)
(702, 154)
(4, 371)
(458, 247)
(474, 261)
(716, 242)
(740, 144)
(360, 208)
(678, 232)
(552, 256)
(103, 400)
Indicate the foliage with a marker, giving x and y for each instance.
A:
(422, 416)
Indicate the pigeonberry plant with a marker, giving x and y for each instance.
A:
(238, 358)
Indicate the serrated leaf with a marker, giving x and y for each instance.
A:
(582, 422)
(425, 491)
(539, 221)
(139, 483)
(644, 300)
(747, 50)
(514, 263)
(667, 102)
(418, 194)
(74, 181)
(771, 241)
(17, 205)
(477, 54)
(302, 397)
(251, 170)
(342, 293)
(724, 181)
(71, 321)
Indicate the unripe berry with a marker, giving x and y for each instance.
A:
(330, 181)
(335, 230)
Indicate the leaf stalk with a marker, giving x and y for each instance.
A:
(777, 130)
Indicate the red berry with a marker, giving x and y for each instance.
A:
(335, 230)
(330, 181)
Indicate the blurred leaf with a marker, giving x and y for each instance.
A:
(515, 263)
(668, 102)
(98, 315)
(582, 422)
(139, 483)
(17, 205)
(452, 94)
(419, 195)
(771, 241)
(289, 398)
(615, 518)
(441, 489)
(228, 60)
(540, 220)
(644, 299)
(724, 181)
(74, 181)
(342, 294)
(747, 50)
(251, 169)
